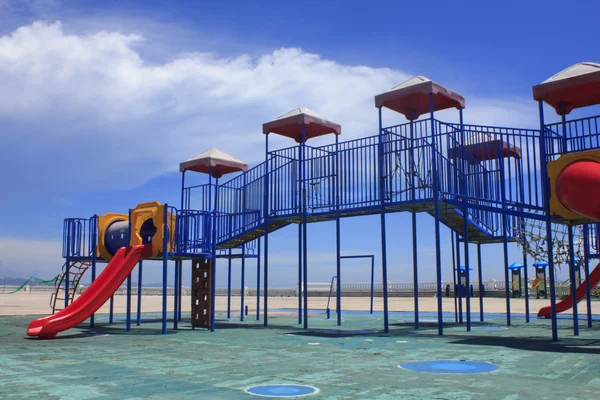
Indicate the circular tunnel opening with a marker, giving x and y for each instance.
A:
(147, 231)
(116, 236)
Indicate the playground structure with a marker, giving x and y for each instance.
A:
(486, 184)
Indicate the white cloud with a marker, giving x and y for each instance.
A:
(88, 112)
(24, 257)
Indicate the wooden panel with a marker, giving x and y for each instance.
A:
(201, 292)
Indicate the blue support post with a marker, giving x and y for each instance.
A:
(454, 273)
(526, 277)
(372, 282)
(572, 266)
(180, 266)
(436, 208)
(258, 280)
(586, 271)
(111, 309)
(506, 277)
(243, 282)
(165, 260)
(481, 286)
(380, 159)
(338, 246)
(304, 227)
(94, 241)
(338, 295)
(467, 274)
(414, 221)
(300, 282)
(465, 196)
(214, 257)
(549, 239)
(128, 306)
(505, 241)
(229, 285)
(175, 293)
(180, 289)
(266, 233)
(139, 295)
(458, 288)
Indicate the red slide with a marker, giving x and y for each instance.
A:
(578, 189)
(567, 303)
(121, 265)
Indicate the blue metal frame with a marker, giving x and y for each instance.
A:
(420, 166)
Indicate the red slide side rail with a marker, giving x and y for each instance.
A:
(567, 302)
(115, 273)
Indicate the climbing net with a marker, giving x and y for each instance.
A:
(532, 236)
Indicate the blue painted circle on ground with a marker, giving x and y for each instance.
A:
(450, 367)
(282, 390)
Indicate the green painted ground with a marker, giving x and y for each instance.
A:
(220, 365)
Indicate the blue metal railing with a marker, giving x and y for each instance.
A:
(344, 177)
(78, 235)
(575, 135)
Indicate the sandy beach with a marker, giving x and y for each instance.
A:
(32, 303)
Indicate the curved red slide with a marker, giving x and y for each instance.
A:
(578, 189)
(567, 302)
(117, 270)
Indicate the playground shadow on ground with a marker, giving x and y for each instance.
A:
(571, 345)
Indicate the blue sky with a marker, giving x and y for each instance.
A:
(102, 100)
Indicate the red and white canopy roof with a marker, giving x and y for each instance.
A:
(214, 162)
(290, 125)
(413, 94)
(575, 87)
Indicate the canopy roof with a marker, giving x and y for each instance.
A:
(516, 265)
(214, 162)
(575, 87)
(413, 94)
(290, 125)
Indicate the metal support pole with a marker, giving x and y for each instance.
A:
(481, 286)
(372, 282)
(165, 261)
(258, 280)
(505, 241)
(526, 277)
(214, 258)
(300, 282)
(573, 281)
(128, 307)
(266, 232)
(229, 285)
(459, 280)
(304, 227)
(111, 308)
(243, 282)
(94, 241)
(454, 269)
(338, 294)
(506, 280)
(548, 220)
(338, 246)
(586, 271)
(415, 268)
(180, 289)
(175, 294)
(381, 155)
(436, 213)
(467, 274)
(465, 196)
(139, 296)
